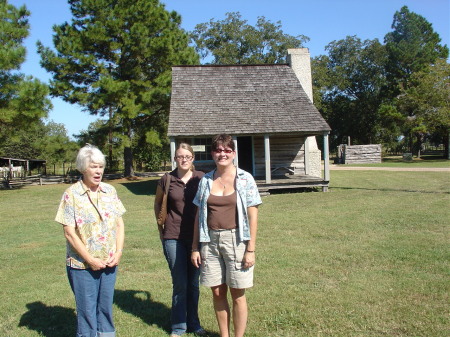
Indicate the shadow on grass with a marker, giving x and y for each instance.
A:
(294, 190)
(425, 157)
(385, 190)
(49, 321)
(147, 187)
(57, 321)
(140, 304)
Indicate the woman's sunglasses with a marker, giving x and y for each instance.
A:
(227, 151)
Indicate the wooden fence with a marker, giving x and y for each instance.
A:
(9, 183)
(32, 180)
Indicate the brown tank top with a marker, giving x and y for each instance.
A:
(222, 211)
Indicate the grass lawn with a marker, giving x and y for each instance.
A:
(369, 258)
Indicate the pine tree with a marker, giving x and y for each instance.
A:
(115, 59)
(23, 99)
(412, 46)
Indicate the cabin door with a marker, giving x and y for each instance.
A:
(245, 153)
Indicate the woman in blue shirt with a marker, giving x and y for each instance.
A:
(227, 200)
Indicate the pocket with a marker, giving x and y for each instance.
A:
(239, 251)
(204, 249)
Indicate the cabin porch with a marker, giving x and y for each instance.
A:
(291, 182)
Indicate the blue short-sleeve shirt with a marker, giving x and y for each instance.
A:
(247, 196)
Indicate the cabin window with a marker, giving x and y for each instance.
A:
(202, 148)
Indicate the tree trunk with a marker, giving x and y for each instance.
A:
(418, 146)
(447, 145)
(410, 142)
(128, 157)
(110, 124)
(128, 161)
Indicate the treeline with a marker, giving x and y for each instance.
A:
(395, 93)
(114, 59)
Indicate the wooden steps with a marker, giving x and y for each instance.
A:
(290, 182)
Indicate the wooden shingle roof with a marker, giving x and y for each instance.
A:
(240, 99)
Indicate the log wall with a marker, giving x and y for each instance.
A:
(359, 154)
(287, 151)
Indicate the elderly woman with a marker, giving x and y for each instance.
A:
(176, 235)
(91, 214)
(227, 200)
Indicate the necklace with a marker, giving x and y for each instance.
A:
(94, 197)
(220, 181)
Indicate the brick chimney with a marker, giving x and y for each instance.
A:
(299, 60)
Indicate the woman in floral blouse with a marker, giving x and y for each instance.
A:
(91, 214)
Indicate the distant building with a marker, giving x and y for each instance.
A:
(15, 167)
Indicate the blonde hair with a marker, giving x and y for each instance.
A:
(186, 146)
(89, 154)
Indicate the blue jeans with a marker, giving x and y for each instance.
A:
(185, 283)
(94, 294)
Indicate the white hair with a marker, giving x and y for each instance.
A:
(89, 154)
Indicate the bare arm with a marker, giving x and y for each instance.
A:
(120, 238)
(77, 244)
(249, 256)
(195, 255)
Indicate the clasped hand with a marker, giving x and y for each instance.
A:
(113, 260)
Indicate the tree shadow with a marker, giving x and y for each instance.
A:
(49, 321)
(147, 187)
(140, 304)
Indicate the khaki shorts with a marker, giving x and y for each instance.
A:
(222, 261)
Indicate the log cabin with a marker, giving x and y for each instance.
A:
(267, 109)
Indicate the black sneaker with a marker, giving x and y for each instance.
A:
(201, 332)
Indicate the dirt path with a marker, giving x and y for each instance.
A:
(334, 167)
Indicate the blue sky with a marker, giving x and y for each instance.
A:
(323, 21)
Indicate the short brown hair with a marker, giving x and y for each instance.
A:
(224, 140)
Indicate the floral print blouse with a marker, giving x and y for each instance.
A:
(94, 219)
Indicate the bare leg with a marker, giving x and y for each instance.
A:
(222, 309)
(240, 311)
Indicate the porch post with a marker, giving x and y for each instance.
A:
(267, 158)
(326, 158)
(307, 158)
(172, 153)
(236, 160)
(253, 158)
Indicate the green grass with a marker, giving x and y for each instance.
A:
(369, 258)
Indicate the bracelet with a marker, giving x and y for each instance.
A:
(120, 250)
(194, 250)
(250, 251)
